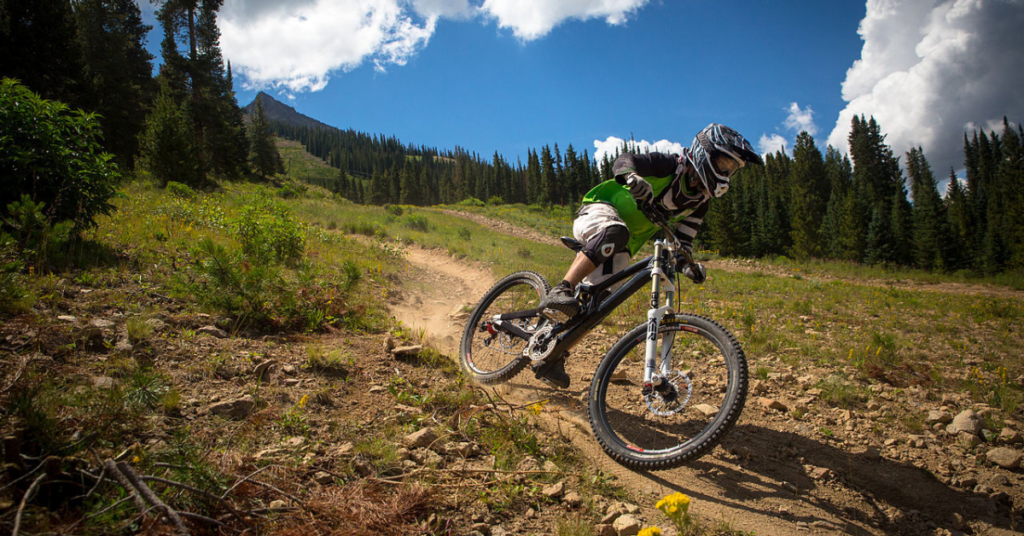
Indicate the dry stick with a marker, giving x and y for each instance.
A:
(24, 500)
(242, 481)
(197, 517)
(198, 491)
(150, 497)
(111, 469)
(21, 370)
(99, 480)
(268, 486)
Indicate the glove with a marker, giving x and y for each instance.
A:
(642, 190)
(696, 273)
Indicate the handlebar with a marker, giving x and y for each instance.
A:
(658, 217)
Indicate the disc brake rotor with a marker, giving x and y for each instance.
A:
(674, 400)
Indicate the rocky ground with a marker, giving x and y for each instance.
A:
(344, 433)
(796, 463)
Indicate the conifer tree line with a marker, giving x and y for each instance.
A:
(863, 208)
(375, 169)
(182, 125)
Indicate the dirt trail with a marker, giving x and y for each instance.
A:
(771, 475)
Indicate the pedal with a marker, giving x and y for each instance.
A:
(554, 315)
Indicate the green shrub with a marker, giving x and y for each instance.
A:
(418, 222)
(394, 210)
(495, 200)
(470, 202)
(249, 291)
(269, 233)
(14, 298)
(54, 154)
(179, 190)
(464, 233)
(39, 241)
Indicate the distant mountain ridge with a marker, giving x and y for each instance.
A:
(281, 112)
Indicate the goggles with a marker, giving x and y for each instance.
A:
(725, 165)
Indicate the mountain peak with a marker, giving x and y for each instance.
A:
(281, 112)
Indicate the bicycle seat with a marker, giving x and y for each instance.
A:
(572, 244)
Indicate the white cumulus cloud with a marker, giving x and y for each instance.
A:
(297, 45)
(771, 144)
(611, 145)
(531, 19)
(931, 68)
(801, 120)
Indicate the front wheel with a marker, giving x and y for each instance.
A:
(706, 386)
(492, 355)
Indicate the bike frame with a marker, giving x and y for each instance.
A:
(595, 310)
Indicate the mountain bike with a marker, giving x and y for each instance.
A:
(665, 393)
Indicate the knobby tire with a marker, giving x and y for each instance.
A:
(636, 437)
(516, 292)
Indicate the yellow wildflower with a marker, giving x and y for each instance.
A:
(302, 403)
(650, 531)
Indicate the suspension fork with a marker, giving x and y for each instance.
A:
(654, 317)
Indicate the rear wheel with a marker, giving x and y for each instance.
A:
(490, 355)
(701, 399)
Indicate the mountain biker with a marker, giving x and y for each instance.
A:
(615, 219)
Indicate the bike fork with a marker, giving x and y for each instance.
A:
(654, 316)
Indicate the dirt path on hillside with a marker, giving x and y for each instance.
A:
(772, 475)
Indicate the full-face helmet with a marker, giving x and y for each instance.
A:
(716, 153)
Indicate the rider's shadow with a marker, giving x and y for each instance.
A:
(896, 497)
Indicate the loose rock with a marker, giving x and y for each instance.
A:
(212, 331)
(421, 438)
(235, 409)
(1006, 458)
(967, 421)
(626, 525)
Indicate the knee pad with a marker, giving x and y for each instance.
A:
(606, 243)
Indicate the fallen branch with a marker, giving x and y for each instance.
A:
(24, 500)
(131, 481)
(21, 370)
(198, 491)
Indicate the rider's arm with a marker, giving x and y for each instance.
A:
(645, 165)
(686, 228)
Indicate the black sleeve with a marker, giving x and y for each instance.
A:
(645, 165)
(686, 228)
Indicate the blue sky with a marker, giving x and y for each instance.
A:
(508, 75)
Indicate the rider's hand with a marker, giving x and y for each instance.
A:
(695, 272)
(642, 190)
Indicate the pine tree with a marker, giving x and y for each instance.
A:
(548, 178)
(931, 237)
(958, 215)
(809, 194)
(39, 46)
(195, 71)
(167, 147)
(119, 70)
(266, 160)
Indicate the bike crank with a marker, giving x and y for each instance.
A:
(541, 344)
